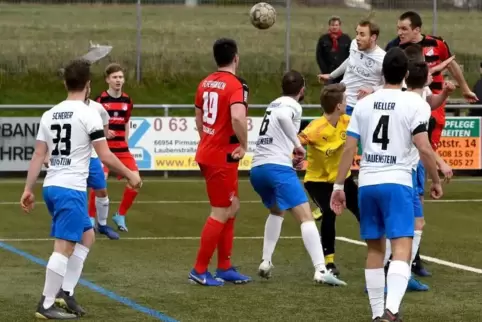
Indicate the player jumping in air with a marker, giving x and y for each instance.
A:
(67, 132)
(221, 108)
(274, 179)
(325, 138)
(387, 123)
(119, 106)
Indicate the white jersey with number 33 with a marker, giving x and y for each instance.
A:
(69, 129)
(385, 122)
(273, 145)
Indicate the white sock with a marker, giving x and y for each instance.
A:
(102, 207)
(74, 268)
(272, 231)
(417, 237)
(375, 279)
(397, 281)
(56, 269)
(388, 252)
(312, 241)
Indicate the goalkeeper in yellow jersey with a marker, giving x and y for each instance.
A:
(324, 138)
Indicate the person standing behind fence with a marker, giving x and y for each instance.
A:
(332, 48)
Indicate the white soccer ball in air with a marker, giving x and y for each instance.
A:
(262, 15)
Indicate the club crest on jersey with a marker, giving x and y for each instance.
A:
(125, 107)
(429, 51)
(369, 62)
(343, 135)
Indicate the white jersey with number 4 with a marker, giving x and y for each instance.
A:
(385, 122)
(104, 115)
(69, 129)
(364, 70)
(273, 145)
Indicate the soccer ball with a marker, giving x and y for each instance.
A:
(262, 15)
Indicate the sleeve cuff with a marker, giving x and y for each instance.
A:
(353, 134)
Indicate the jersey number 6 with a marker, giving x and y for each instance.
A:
(210, 107)
(264, 125)
(59, 138)
(382, 127)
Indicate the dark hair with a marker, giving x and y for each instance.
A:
(373, 27)
(224, 51)
(395, 66)
(415, 19)
(417, 75)
(292, 83)
(333, 19)
(332, 95)
(113, 68)
(76, 75)
(414, 53)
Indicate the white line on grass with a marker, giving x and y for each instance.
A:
(344, 239)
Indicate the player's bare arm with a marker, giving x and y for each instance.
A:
(436, 100)
(199, 122)
(428, 158)
(443, 167)
(456, 72)
(38, 158)
(240, 127)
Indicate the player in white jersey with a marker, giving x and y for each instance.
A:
(274, 179)
(67, 133)
(387, 123)
(363, 68)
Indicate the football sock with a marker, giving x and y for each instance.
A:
(272, 231)
(417, 237)
(102, 206)
(312, 241)
(397, 281)
(375, 281)
(209, 240)
(74, 268)
(330, 259)
(127, 200)
(225, 245)
(56, 269)
(388, 252)
(92, 204)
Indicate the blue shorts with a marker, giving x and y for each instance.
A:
(278, 185)
(386, 209)
(349, 110)
(417, 204)
(96, 179)
(68, 208)
(420, 188)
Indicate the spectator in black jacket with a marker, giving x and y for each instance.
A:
(333, 48)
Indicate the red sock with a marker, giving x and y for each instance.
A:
(225, 245)
(92, 208)
(127, 200)
(209, 240)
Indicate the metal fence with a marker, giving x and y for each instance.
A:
(173, 38)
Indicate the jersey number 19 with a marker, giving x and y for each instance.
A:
(382, 127)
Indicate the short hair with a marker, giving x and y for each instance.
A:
(292, 83)
(332, 95)
(76, 75)
(372, 26)
(333, 19)
(415, 19)
(395, 66)
(417, 75)
(113, 68)
(224, 51)
(414, 53)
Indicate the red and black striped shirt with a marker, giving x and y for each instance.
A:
(119, 110)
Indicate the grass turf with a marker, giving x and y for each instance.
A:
(176, 46)
(154, 272)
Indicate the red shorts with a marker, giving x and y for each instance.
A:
(221, 184)
(128, 160)
(436, 135)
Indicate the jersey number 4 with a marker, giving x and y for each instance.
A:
(210, 107)
(380, 135)
(62, 136)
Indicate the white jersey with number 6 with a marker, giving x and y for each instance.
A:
(69, 129)
(273, 145)
(104, 115)
(385, 122)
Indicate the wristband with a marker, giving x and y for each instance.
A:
(337, 187)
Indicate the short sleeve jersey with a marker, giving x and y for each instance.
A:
(214, 97)
(385, 123)
(69, 129)
(273, 145)
(103, 115)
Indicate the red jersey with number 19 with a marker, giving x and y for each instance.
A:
(215, 95)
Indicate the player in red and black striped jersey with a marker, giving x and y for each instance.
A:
(119, 106)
